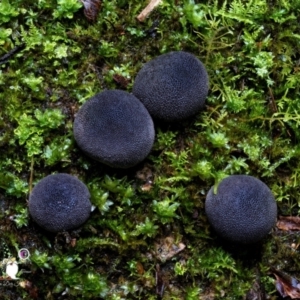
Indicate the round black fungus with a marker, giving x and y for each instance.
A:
(243, 209)
(115, 128)
(172, 86)
(60, 202)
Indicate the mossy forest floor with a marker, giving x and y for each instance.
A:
(144, 215)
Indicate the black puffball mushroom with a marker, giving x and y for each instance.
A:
(60, 202)
(172, 86)
(115, 128)
(242, 209)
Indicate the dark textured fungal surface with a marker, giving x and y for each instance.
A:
(249, 125)
(60, 202)
(172, 86)
(242, 210)
(114, 128)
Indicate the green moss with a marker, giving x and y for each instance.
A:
(250, 125)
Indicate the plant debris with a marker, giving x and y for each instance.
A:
(146, 177)
(160, 281)
(288, 223)
(10, 53)
(148, 9)
(286, 285)
(91, 9)
(30, 288)
(250, 125)
(257, 291)
(166, 248)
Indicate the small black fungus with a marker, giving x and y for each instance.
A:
(243, 209)
(172, 86)
(115, 128)
(60, 202)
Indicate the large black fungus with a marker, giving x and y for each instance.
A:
(172, 86)
(115, 128)
(60, 202)
(243, 209)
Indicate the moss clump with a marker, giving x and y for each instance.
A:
(250, 125)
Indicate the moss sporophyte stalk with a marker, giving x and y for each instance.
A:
(53, 59)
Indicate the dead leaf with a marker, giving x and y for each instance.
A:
(140, 268)
(286, 285)
(288, 223)
(121, 80)
(146, 177)
(91, 8)
(165, 248)
(73, 243)
(30, 288)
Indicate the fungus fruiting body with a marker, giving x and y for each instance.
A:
(172, 86)
(115, 128)
(60, 202)
(242, 209)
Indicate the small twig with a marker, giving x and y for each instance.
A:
(160, 282)
(31, 175)
(274, 108)
(6, 57)
(112, 25)
(148, 9)
(272, 102)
